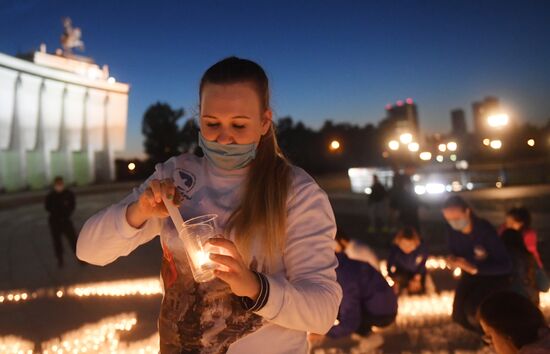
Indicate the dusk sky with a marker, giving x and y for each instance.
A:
(339, 60)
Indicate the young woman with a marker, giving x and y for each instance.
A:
(478, 251)
(278, 281)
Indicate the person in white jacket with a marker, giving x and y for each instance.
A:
(278, 281)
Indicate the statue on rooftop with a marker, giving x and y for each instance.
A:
(71, 37)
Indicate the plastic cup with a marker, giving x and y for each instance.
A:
(208, 219)
(195, 234)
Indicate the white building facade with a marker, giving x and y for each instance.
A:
(59, 116)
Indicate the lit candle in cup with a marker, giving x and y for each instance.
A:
(195, 239)
(202, 258)
(195, 234)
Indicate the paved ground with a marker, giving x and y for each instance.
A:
(27, 262)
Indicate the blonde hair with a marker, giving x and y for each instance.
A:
(262, 211)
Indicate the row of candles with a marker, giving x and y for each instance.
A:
(147, 286)
(99, 337)
(142, 287)
(15, 345)
(432, 263)
(103, 337)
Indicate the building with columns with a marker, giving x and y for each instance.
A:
(59, 115)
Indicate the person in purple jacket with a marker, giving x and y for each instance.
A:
(367, 301)
(407, 262)
(478, 251)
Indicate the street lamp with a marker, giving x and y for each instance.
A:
(425, 156)
(442, 147)
(334, 145)
(486, 142)
(131, 166)
(406, 138)
(496, 144)
(498, 120)
(531, 142)
(393, 145)
(452, 146)
(414, 147)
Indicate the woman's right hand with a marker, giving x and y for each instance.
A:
(150, 204)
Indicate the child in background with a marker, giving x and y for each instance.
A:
(519, 219)
(356, 250)
(524, 265)
(407, 262)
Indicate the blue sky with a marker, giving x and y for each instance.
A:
(339, 60)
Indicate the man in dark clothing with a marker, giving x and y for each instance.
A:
(478, 251)
(408, 205)
(60, 204)
(404, 201)
(377, 204)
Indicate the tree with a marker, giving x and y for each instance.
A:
(163, 136)
(190, 136)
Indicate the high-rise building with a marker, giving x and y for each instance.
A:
(482, 110)
(458, 122)
(403, 117)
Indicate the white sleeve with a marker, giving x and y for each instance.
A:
(107, 235)
(307, 298)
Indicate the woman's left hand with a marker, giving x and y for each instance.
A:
(243, 281)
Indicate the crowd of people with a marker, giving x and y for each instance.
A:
(496, 296)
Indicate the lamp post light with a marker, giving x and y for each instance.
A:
(425, 156)
(334, 145)
(452, 146)
(413, 147)
(406, 138)
(496, 144)
(498, 120)
(393, 145)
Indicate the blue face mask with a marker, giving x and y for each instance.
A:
(459, 224)
(228, 157)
